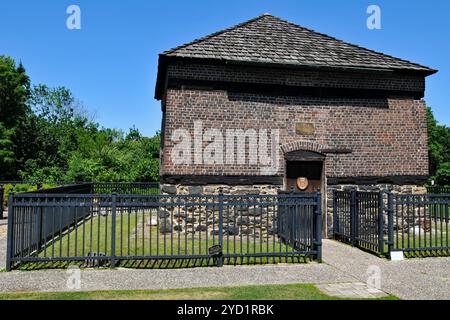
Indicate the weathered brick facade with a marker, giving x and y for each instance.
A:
(386, 137)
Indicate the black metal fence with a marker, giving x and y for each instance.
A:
(417, 224)
(438, 189)
(140, 188)
(79, 188)
(145, 188)
(420, 224)
(161, 230)
(358, 219)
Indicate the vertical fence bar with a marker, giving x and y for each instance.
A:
(390, 212)
(113, 229)
(335, 216)
(318, 219)
(38, 233)
(353, 214)
(381, 222)
(9, 251)
(220, 257)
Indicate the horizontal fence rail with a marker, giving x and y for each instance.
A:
(162, 230)
(417, 224)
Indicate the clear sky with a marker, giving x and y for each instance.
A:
(110, 64)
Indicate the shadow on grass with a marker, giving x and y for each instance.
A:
(166, 263)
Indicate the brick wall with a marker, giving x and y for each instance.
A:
(386, 136)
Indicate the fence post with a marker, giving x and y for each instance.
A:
(38, 212)
(1, 201)
(318, 235)
(220, 257)
(353, 216)
(113, 230)
(390, 212)
(335, 218)
(9, 252)
(381, 221)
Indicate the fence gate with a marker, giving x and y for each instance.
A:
(358, 219)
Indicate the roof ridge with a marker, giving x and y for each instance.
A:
(209, 36)
(349, 43)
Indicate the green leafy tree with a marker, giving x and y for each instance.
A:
(7, 156)
(442, 175)
(439, 149)
(46, 135)
(14, 92)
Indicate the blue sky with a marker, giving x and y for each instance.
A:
(110, 64)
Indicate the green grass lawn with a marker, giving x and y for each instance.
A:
(134, 237)
(439, 210)
(264, 292)
(438, 236)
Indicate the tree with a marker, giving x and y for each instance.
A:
(7, 156)
(439, 149)
(48, 136)
(442, 175)
(14, 92)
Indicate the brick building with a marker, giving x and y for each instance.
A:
(268, 105)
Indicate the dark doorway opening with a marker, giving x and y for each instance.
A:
(310, 173)
(304, 171)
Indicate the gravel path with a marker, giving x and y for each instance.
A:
(410, 279)
(129, 279)
(417, 278)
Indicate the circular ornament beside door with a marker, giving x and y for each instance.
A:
(302, 183)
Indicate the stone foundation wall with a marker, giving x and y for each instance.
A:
(252, 222)
(196, 219)
(216, 188)
(396, 189)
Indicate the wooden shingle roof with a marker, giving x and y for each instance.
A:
(270, 40)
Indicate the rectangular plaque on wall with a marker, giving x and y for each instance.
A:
(304, 128)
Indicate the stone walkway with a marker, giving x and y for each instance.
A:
(345, 272)
(353, 290)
